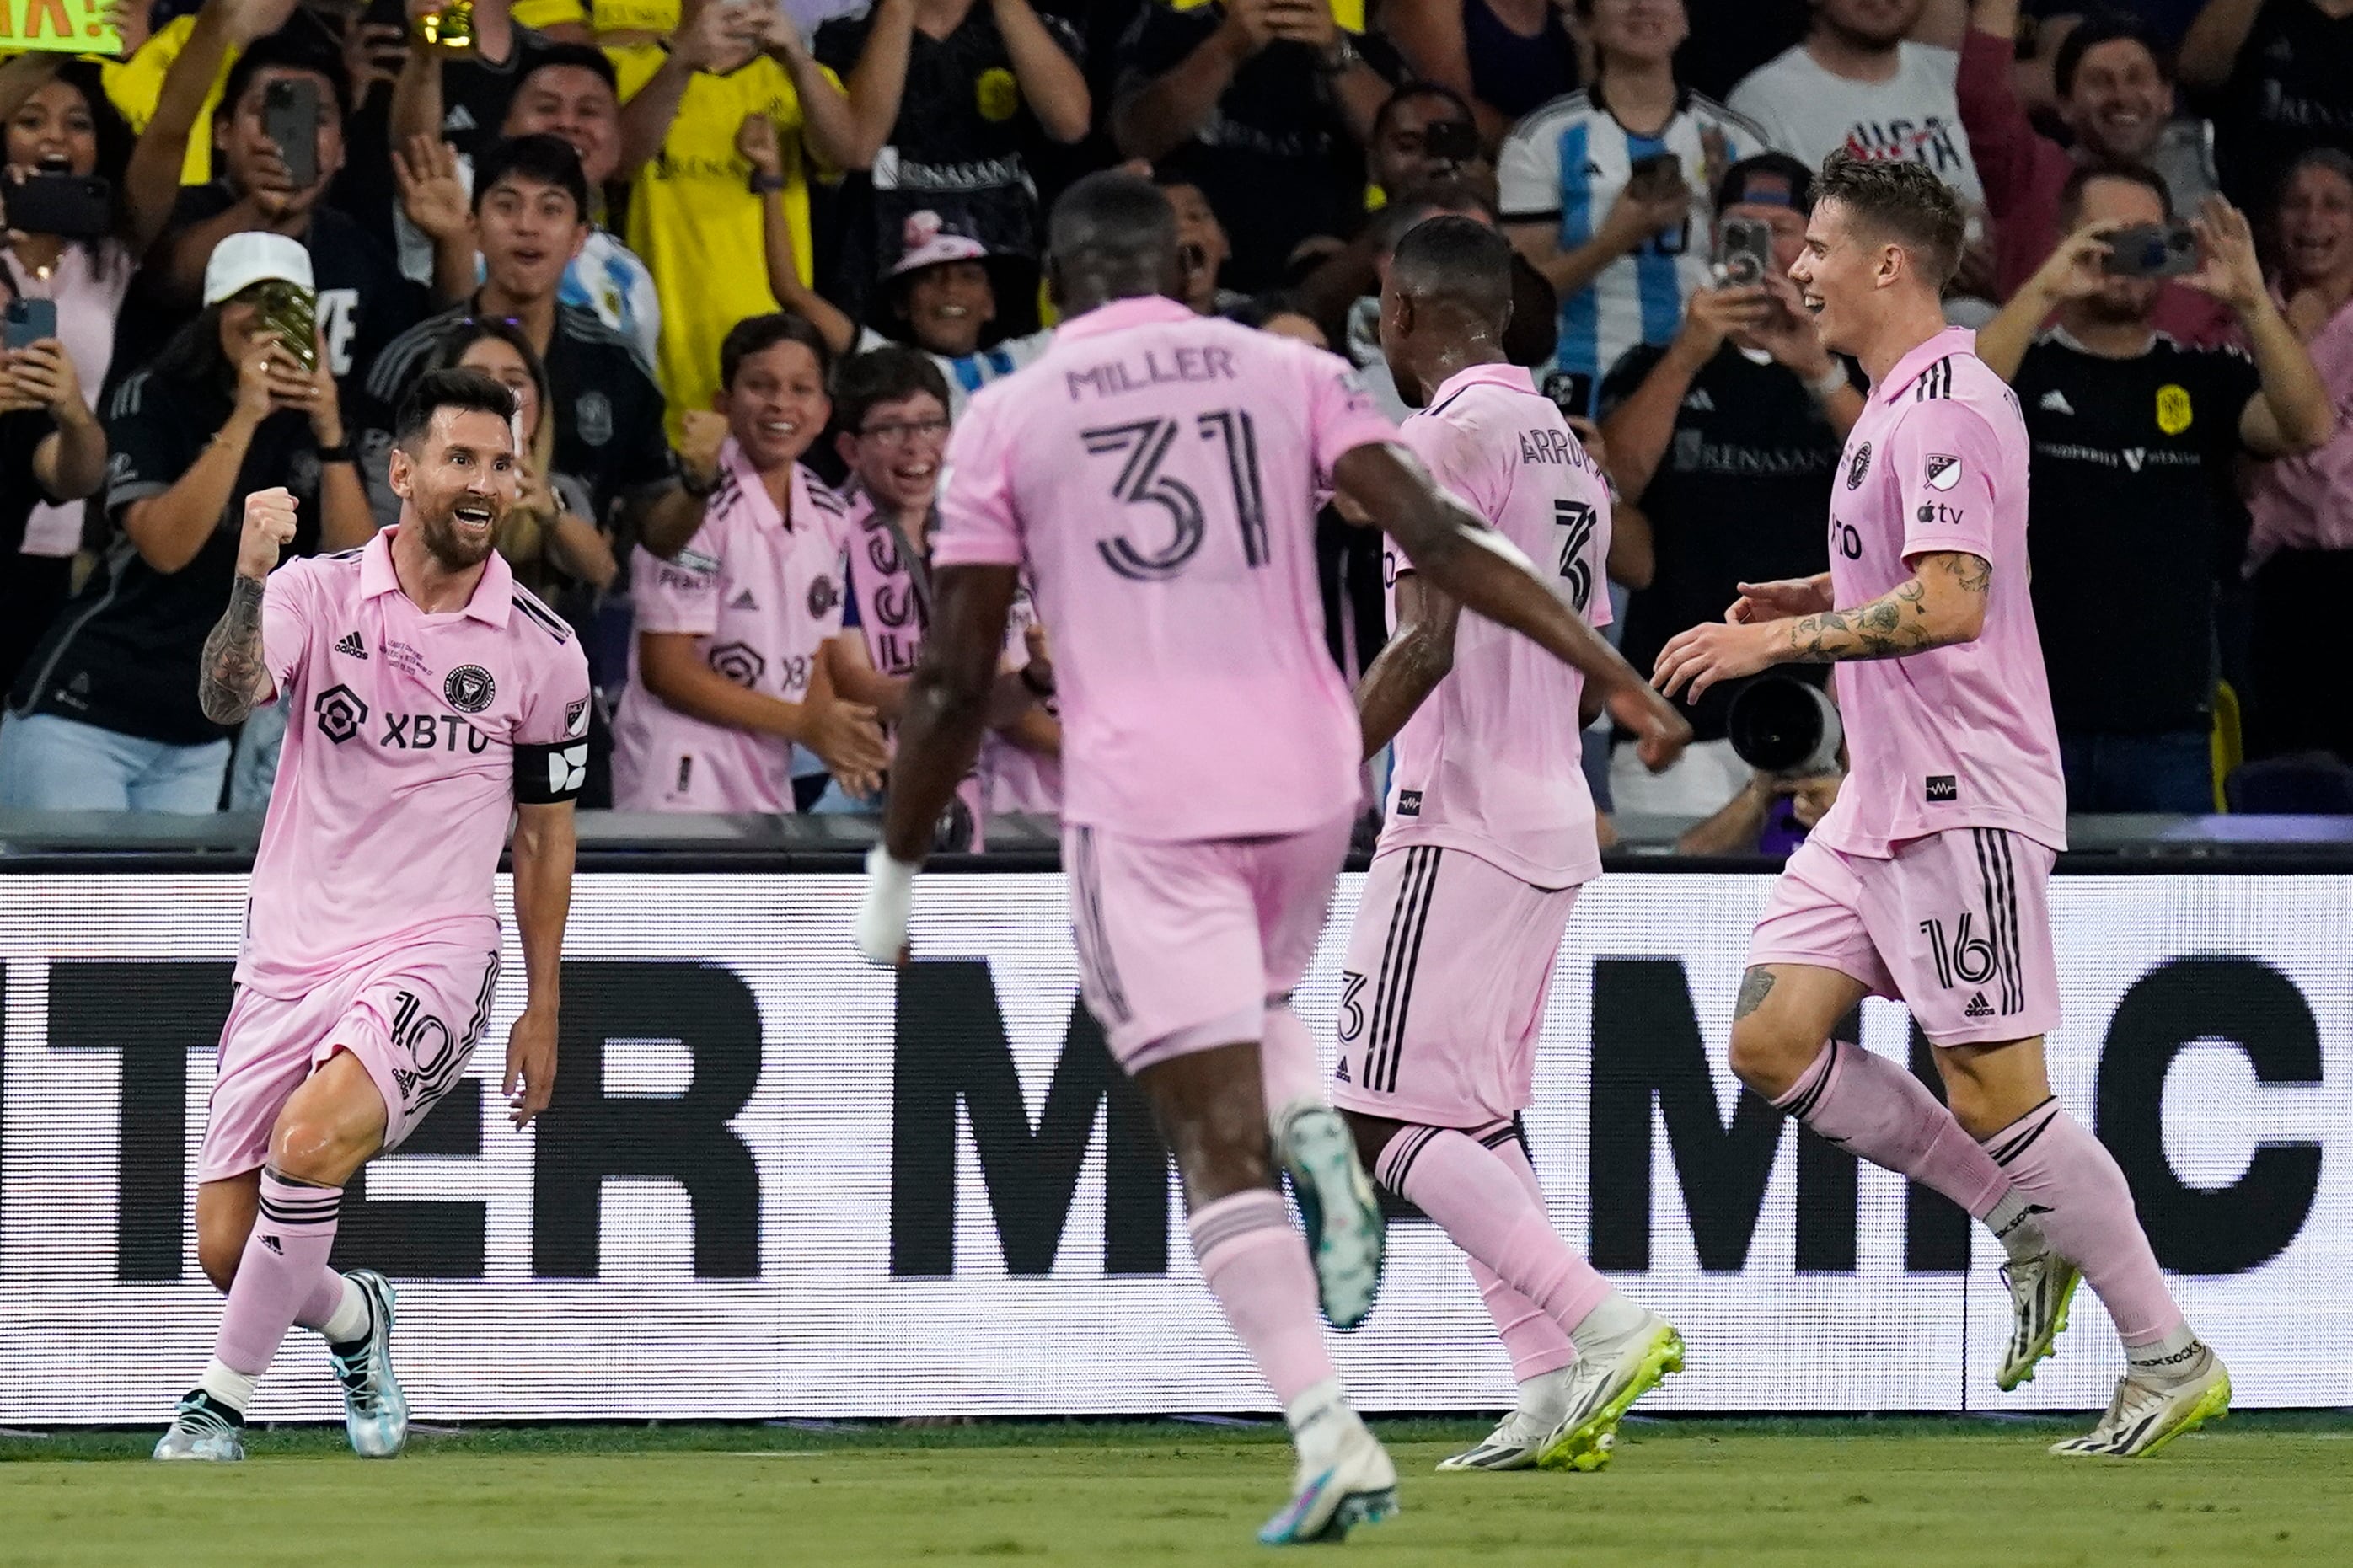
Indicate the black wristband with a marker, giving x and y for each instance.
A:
(701, 490)
(764, 183)
(1043, 689)
(341, 452)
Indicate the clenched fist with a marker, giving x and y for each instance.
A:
(268, 527)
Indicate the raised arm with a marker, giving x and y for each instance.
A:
(70, 462)
(1462, 557)
(756, 139)
(544, 845)
(151, 181)
(233, 680)
(2210, 49)
(1155, 119)
(2291, 413)
(1051, 82)
(704, 37)
(828, 120)
(1419, 656)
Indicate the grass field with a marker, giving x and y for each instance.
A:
(2255, 1490)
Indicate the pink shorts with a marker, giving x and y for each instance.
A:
(1957, 926)
(1443, 1000)
(1183, 947)
(412, 1018)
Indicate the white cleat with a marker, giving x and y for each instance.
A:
(1359, 1487)
(1345, 1230)
(1604, 1383)
(2040, 1289)
(375, 1412)
(202, 1428)
(2145, 1417)
(1512, 1446)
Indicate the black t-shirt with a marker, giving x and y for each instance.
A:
(608, 410)
(20, 434)
(364, 302)
(2291, 88)
(2123, 525)
(1741, 494)
(1274, 157)
(123, 654)
(961, 147)
(31, 586)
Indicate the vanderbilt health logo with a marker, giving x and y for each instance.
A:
(340, 713)
(470, 688)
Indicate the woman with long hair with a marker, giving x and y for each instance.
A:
(2300, 547)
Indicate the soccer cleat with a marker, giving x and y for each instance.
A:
(1360, 1488)
(202, 1428)
(1346, 1229)
(2145, 1417)
(2040, 1289)
(1512, 1446)
(1604, 1383)
(375, 1412)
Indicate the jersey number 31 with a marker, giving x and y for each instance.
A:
(1143, 444)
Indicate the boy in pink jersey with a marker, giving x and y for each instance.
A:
(429, 696)
(891, 403)
(1157, 472)
(1489, 835)
(1929, 881)
(726, 668)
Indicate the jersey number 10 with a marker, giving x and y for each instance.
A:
(1145, 444)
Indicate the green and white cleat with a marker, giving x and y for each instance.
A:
(1347, 1232)
(2145, 1417)
(1512, 1446)
(1603, 1386)
(2040, 1289)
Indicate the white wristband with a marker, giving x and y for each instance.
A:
(882, 911)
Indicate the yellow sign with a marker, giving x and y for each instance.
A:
(61, 26)
(2173, 408)
(1349, 13)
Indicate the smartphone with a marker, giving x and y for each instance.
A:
(1450, 142)
(29, 321)
(71, 207)
(1743, 252)
(292, 312)
(1655, 171)
(289, 117)
(2152, 250)
(451, 28)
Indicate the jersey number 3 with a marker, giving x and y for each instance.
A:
(1575, 519)
(1145, 444)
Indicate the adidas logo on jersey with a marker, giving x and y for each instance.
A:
(744, 601)
(1340, 1072)
(2055, 402)
(271, 1241)
(350, 644)
(1699, 402)
(459, 118)
(1979, 1008)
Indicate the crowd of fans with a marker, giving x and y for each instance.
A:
(743, 261)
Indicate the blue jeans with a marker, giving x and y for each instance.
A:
(2169, 773)
(49, 764)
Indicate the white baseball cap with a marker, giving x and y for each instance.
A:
(926, 240)
(241, 260)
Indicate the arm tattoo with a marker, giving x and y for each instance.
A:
(1894, 624)
(232, 673)
(1755, 987)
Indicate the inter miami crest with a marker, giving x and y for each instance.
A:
(1859, 467)
(470, 688)
(822, 595)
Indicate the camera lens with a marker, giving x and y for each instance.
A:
(1782, 726)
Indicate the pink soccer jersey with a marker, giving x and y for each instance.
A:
(1492, 763)
(761, 596)
(1958, 736)
(409, 738)
(1158, 472)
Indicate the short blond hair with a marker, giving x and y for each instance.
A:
(1900, 199)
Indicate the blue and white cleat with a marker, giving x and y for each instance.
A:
(1359, 1487)
(1347, 1232)
(202, 1428)
(375, 1412)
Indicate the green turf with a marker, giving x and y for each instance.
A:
(1821, 1493)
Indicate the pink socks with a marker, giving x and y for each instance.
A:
(1498, 1218)
(1869, 1105)
(1257, 1267)
(283, 1275)
(2057, 1164)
